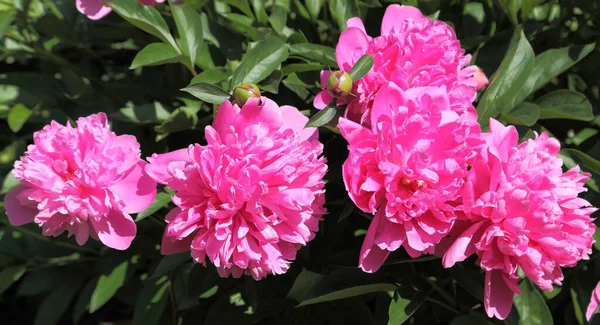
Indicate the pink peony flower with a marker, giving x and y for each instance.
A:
(521, 211)
(96, 9)
(412, 51)
(594, 302)
(251, 197)
(84, 180)
(407, 169)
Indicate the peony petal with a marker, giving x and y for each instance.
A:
(324, 75)
(137, 190)
(225, 117)
(322, 99)
(115, 230)
(371, 256)
(353, 132)
(18, 214)
(261, 111)
(170, 245)
(159, 163)
(93, 9)
(293, 119)
(351, 46)
(356, 22)
(389, 97)
(594, 301)
(498, 297)
(463, 246)
(395, 15)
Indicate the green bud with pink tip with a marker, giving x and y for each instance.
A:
(243, 92)
(339, 84)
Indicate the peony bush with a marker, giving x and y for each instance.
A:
(270, 162)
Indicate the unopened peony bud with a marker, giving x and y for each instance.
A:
(243, 92)
(339, 84)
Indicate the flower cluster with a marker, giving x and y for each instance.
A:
(254, 194)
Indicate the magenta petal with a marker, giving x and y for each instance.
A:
(388, 98)
(158, 167)
(137, 190)
(462, 247)
(18, 214)
(395, 15)
(322, 99)
(170, 245)
(262, 111)
(371, 256)
(225, 117)
(294, 120)
(353, 132)
(356, 22)
(594, 301)
(498, 297)
(93, 9)
(115, 230)
(351, 46)
(324, 75)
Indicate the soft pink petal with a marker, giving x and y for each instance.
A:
(93, 9)
(293, 119)
(157, 168)
(322, 99)
(115, 230)
(481, 78)
(261, 111)
(353, 132)
(225, 117)
(498, 297)
(137, 190)
(356, 22)
(18, 214)
(395, 15)
(371, 256)
(594, 301)
(324, 75)
(462, 247)
(351, 46)
(388, 98)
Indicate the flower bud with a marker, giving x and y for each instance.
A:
(243, 92)
(339, 84)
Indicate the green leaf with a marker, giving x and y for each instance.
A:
(212, 76)
(189, 27)
(149, 113)
(527, 7)
(303, 284)
(6, 17)
(160, 201)
(9, 182)
(361, 67)
(342, 10)
(585, 160)
(315, 52)
(151, 302)
(301, 67)
(260, 61)
(313, 7)
(278, 19)
(56, 304)
(550, 64)
(181, 119)
(259, 11)
(506, 83)
(207, 92)
(10, 275)
(108, 285)
(17, 117)
(271, 83)
(169, 263)
(322, 117)
(82, 303)
(401, 309)
(523, 114)
(531, 306)
(349, 292)
(145, 18)
(155, 54)
(565, 104)
(242, 5)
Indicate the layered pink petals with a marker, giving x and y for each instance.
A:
(407, 169)
(83, 180)
(251, 197)
(412, 51)
(524, 213)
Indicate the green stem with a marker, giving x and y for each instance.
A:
(443, 304)
(36, 235)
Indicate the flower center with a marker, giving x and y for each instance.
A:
(413, 185)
